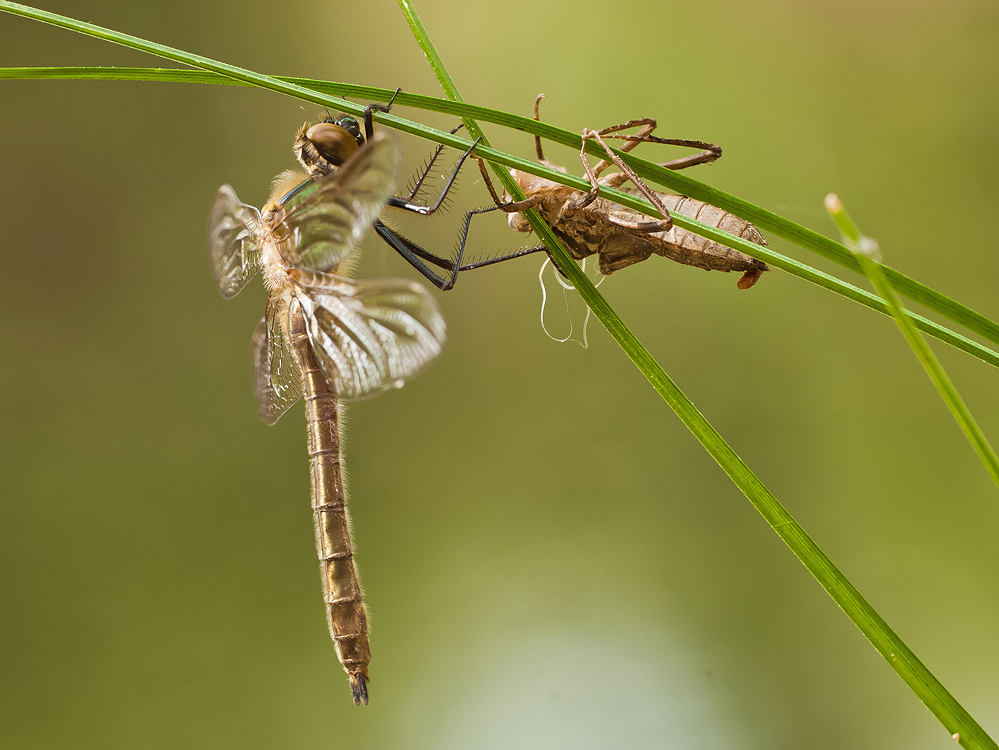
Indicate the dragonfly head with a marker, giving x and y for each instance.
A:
(323, 147)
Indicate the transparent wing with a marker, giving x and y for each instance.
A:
(278, 384)
(371, 335)
(328, 221)
(232, 229)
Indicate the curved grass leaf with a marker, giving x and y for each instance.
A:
(328, 90)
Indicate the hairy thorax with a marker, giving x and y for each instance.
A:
(271, 232)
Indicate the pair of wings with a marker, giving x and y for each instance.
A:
(367, 335)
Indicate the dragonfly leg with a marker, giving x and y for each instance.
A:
(408, 205)
(506, 206)
(425, 172)
(369, 126)
(422, 259)
(653, 197)
(537, 138)
(709, 151)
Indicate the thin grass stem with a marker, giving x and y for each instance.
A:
(866, 251)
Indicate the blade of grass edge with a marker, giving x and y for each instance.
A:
(933, 694)
(865, 250)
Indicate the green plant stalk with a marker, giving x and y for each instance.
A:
(935, 371)
(780, 226)
(776, 260)
(936, 697)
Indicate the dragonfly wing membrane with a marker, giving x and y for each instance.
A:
(372, 335)
(277, 381)
(329, 221)
(232, 230)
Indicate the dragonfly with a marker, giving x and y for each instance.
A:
(327, 338)
(322, 148)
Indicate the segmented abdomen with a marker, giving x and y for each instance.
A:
(345, 611)
(699, 251)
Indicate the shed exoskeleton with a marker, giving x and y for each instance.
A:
(619, 236)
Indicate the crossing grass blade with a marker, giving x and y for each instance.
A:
(327, 93)
(934, 695)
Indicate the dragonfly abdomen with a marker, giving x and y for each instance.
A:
(345, 612)
(699, 251)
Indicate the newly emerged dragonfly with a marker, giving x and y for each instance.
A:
(326, 337)
(322, 148)
(618, 236)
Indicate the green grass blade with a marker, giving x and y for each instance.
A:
(815, 242)
(864, 249)
(335, 89)
(170, 53)
(680, 183)
(943, 705)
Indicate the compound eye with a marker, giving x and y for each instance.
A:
(334, 143)
(349, 124)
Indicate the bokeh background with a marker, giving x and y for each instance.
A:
(550, 559)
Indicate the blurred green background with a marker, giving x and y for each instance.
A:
(550, 559)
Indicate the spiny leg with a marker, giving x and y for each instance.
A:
(407, 204)
(417, 256)
(420, 258)
(413, 253)
(488, 261)
(425, 173)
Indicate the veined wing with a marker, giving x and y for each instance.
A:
(232, 229)
(370, 335)
(278, 384)
(328, 221)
